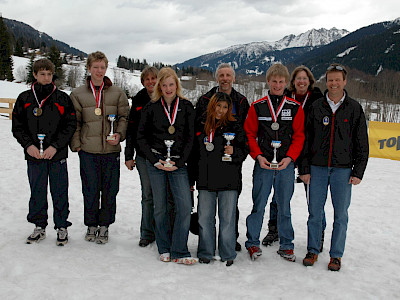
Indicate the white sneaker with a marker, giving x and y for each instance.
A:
(165, 257)
(38, 234)
(185, 260)
(91, 233)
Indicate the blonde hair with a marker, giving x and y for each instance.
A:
(96, 56)
(278, 70)
(162, 75)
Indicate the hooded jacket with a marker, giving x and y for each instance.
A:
(92, 130)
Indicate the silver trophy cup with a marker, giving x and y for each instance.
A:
(112, 119)
(229, 137)
(274, 163)
(41, 138)
(169, 144)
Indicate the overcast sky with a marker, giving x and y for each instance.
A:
(175, 31)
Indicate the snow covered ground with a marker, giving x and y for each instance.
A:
(123, 270)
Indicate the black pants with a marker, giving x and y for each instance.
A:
(39, 174)
(100, 185)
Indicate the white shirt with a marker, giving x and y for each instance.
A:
(334, 106)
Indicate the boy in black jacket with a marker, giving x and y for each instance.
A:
(43, 123)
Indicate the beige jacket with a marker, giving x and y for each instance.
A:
(92, 130)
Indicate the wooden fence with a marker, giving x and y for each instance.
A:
(8, 110)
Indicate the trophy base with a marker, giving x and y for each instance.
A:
(111, 138)
(226, 158)
(168, 165)
(274, 165)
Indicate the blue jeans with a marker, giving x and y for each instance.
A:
(147, 221)
(338, 181)
(171, 238)
(273, 212)
(227, 201)
(283, 183)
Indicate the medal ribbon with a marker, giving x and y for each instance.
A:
(305, 99)
(97, 96)
(271, 108)
(174, 113)
(41, 102)
(211, 136)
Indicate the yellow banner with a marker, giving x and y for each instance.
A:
(384, 140)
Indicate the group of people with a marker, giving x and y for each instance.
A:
(176, 147)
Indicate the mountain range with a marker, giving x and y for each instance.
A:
(369, 49)
(33, 38)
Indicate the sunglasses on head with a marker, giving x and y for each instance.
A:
(334, 67)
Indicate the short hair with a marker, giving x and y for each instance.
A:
(96, 56)
(43, 64)
(148, 71)
(223, 66)
(162, 75)
(278, 70)
(309, 75)
(336, 68)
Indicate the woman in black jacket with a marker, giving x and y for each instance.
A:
(218, 166)
(165, 136)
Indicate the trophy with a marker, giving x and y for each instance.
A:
(110, 136)
(274, 163)
(229, 137)
(41, 138)
(169, 144)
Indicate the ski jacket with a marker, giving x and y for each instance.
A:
(207, 167)
(153, 131)
(138, 103)
(57, 122)
(92, 130)
(240, 106)
(290, 133)
(337, 139)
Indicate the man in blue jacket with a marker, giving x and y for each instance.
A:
(335, 156)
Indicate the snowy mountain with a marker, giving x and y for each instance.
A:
(370, 49)
(256, 57)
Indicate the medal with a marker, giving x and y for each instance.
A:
(275, 126)
(97, 97)
(37, 111)
(209, 146)
(171, 129)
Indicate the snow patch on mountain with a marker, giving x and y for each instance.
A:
(346, 52)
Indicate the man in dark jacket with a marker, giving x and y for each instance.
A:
(335, 155)
(43, 123)
(225, 77)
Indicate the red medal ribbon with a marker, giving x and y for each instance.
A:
(97, 96)
(211, 136)
(271, 108)
(41, 102)
(174, 113)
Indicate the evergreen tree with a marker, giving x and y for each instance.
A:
(6, 63)
(19, 51)
(30, 78)
(55, 57)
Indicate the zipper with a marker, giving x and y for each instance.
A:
(331, 141)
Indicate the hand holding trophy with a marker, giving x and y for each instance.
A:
(274, 163)
(229, 137)
(112, 119)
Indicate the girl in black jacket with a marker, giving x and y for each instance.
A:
(218, 177)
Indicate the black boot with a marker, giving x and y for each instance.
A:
(272, 235)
